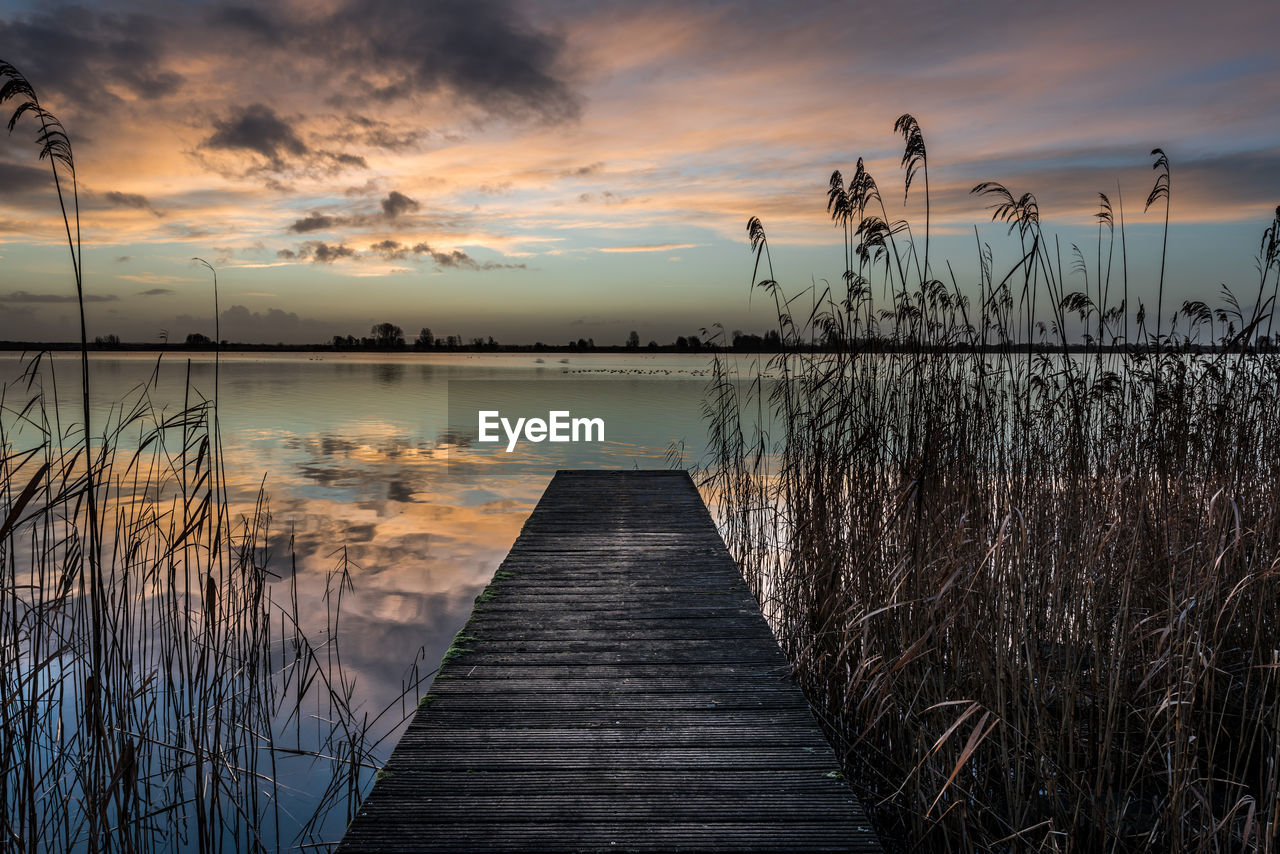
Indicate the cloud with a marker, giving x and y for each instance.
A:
(456, 259)
(273, 144)
(650, 247)
(28, 297)
(397, 203)
(317, 251)
(19, 179)
(323, 253)
(153, 278)
(377, 133)
(241, 325)
(484, 55)
(258, 129)
(608, 197)
(394, 205)
(157, 292)
(90, 57)
(391, 250)
(481, 52)
(314, 222)
(136, 201)
(123, 259)
(249, 21)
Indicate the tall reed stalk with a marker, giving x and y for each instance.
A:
(1030, 588)
(155, 694)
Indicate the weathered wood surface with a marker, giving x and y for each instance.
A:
(616, 689)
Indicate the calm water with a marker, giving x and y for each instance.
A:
(376, 453)
(362, 451)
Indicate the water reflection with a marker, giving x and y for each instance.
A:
(388, 373)
(361, 459)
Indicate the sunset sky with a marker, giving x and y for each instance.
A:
(556, 170)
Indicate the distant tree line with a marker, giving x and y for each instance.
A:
(390, 337)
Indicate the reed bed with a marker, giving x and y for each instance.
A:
(1032, 594)
(156, 697)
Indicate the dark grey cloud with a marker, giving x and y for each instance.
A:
(257, 128)
(323, 253)
(379, 134)
(74, 52)
(29, 187)
(314, 222)
(397, 203)
(28, 297)
(248, 21)
(136, 201)
(318, 252)
(157, 292)
(485, 55)
(483, 51)
(393, 250)
(19, 178)
(394, 205)
(258, 131)
(123, 259)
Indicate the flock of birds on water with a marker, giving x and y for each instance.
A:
(692, 372)
(638, 371)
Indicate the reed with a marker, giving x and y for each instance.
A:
(156, 696)
(1030, 591)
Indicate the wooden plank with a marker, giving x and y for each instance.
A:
(616, 689)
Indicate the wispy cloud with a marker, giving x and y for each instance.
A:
(152, 278)
(650, 247)
(28, 297)
(137, 201)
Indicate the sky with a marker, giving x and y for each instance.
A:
(560, 170)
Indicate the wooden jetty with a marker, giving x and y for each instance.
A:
(616, 689)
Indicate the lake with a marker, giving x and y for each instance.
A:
(379, 454)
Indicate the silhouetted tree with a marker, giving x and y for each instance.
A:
(425, 340)
(387, 335)
(633, 340)
(196, 339)
(751, 343)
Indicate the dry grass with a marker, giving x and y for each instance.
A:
(1032, 595)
